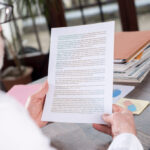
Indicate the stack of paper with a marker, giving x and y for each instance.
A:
(132, 56)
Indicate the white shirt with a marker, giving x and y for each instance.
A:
(125, 141)
(19, 132)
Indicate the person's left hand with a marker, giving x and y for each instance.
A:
(35, 105)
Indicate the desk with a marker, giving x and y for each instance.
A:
(84, 137)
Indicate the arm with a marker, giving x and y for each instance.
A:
(17, 129)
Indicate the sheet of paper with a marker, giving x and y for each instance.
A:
(22, 92)
(80, 74)
(120, 91)
(133, 105)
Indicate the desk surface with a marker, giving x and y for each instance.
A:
(84, 137)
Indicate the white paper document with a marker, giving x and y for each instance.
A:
(80, 73)
(120, 91)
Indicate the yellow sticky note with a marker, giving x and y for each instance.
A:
(133, 105)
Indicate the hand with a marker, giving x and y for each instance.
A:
(35, 105)
(121, 121)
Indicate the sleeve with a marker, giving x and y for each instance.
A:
(126, 141)
(17, 129)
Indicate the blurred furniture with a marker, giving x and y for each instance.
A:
(38, 62)
(128, 15)
(83, 4)
(66, 136)
(55, 13)
(127, 11)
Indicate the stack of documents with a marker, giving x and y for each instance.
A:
(132, 56)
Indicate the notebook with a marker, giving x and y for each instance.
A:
(129, 45)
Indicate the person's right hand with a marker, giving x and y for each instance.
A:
(120, 121)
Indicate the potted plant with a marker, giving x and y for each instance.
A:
(52, 11)
(17, 74)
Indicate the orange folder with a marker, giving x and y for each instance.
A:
(139, 56)
(129, 45)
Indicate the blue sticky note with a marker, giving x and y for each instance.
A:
(132, 108)
(116, 92)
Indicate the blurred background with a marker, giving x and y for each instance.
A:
(27, 35)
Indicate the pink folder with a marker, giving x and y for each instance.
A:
(22, 92)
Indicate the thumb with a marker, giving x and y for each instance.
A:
(42, 92)
(107, 118)
(117, 108)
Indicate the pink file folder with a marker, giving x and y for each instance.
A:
(22, 92)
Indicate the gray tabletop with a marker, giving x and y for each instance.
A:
(84, 137)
